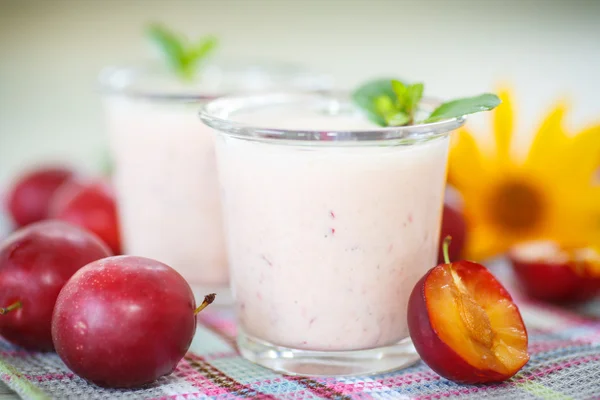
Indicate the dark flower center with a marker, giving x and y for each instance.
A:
(517, 207)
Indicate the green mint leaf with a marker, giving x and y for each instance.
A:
(414, 95)
(465, 106)
(369, 98)
(391, 102)
(202, 48)
(169, 45)
(401, 92)
(384, 105)
(195, 54)
(182, 57)
(408, 97)
(398, 118)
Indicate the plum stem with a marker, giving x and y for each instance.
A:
(14, 306)
(209, 298)
(445, 246)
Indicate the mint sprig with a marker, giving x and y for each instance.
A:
(182, 56)
(391, 102)
(376, 99)
(464, 106)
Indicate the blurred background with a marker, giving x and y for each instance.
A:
(51, 53)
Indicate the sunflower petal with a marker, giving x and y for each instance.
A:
(583, 159)
(580, 221)
(484, 242)
(565, 170)
(549, 142)
(588, 200)
(465, 161)
(503, 124)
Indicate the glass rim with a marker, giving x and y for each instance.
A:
(214, 114)
(110, 78)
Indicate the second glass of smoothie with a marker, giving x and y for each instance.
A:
(164, 164)
(330, 221)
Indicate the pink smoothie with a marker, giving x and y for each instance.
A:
(326, 243)
(166, 181)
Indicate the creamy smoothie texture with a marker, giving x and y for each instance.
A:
(166, 182)
(326, 243)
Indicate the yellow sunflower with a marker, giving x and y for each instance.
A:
(552, 193)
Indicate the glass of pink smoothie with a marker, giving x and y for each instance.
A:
(164, 164)
(330, 221)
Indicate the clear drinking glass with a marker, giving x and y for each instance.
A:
(164, 166)
(330, 221)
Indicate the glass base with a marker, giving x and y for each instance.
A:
(327, 363)
(224, 296)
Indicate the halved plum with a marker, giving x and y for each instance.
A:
(465, 325)
(549, 272)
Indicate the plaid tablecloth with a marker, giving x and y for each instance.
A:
(564, 346)
(565, 364)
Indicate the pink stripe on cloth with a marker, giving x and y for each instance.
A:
(180, 396)
(361, 388)
(409, 379)
(49, 377)
(224, 381)
(321, 387)
(388, 383)
(590, 339)
(453, 392)
(199, 380)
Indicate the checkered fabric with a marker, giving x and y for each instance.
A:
(565, 364)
